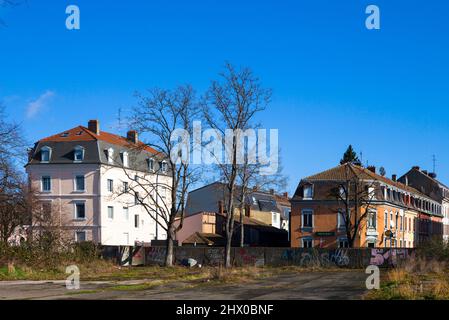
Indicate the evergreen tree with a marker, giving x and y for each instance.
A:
(350, 156)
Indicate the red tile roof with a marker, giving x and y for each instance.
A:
(81, 133)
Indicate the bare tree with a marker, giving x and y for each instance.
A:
(160, 115)
(231, 104)
(356, 194)
(250, 180)
(14, 201)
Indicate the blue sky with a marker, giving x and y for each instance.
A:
(334, 82)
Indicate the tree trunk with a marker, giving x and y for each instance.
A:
(228, 251)
(242, 228)
(169, 247)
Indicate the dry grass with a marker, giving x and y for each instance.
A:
(417, 280)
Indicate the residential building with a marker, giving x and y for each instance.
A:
(427, 183)
(264, 206)
(208, 229)
(85, 176)
(394, 215)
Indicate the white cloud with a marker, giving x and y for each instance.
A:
(35, 106)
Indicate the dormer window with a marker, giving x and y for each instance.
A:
(78, 154)
(151, 165)
(308, 191)
(45, 154)
(110, 155)
(164, 166)
(125, 159)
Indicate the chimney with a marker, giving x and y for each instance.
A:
(94, 126)
(415, 168)
(271, 191)
(372, 169)
(432, 175)
(132, 136)
(406, 180)
(220, 207)
(285, 195)
(425, 172)
(394, 177)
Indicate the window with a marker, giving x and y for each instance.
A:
(274, 218)
(45, 154)
(397, 219)
(402, 223)
(308, 192)
(136, 198)
(80, 210)
(110, 185)
(150, 164)
(80, 236)
(126, 213)
(110, 155)
(343, 243)
(110, 212)
(307, 219)
(125, 159)
(341, 220)
(125, 186)
(372, 217)
(164, 166)
(386, 220)
(79, 183)
(46, 210)
(78, 154)
(136, 221)
(46, 184)
(391, 220)
(307, 243)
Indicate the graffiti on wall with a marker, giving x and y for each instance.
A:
(248, 257)
(302, 257)
(387, 256)
(155, 254)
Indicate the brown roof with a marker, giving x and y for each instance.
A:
(204, 238)
(349, 171)
(81, 133)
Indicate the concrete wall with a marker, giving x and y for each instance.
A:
(344, 257)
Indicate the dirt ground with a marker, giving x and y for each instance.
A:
(306, 285)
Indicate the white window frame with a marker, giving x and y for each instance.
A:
(307, 239)
(386, 225)
(46, 149)
(76, 236)
(110, 211)
(151, 164)
(78, 148)
(110, 185)
(370, 212)
(164, 166)
(126, 213)
(110, 155)
(307, 186)
(125, 159)
(75, 212)
(340, 219)
(42, 184)
(75, 182)
(302, 218)
(342, 239)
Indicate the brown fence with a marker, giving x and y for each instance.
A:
(254, 256)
